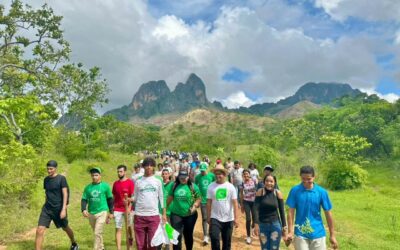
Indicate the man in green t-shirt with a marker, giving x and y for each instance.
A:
(97, 199)
(203, 180)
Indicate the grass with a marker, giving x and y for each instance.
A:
(366, 218)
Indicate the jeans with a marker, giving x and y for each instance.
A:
(224, 229)
(249, 210)
(184, 225)
(204, 219)
(270, 235)
(145, 228)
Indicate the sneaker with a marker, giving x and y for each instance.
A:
(205, 240)
(248, 240)
(74, 246)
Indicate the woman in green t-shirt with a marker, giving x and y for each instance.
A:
(185, 197)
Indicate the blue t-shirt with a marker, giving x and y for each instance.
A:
(308, 203)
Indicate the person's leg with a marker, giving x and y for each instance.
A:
(43, 223)
(140, 231)
(275, 235)
(70, 234)
(177, 224)
(301, 244)
(247, 211)
(263, 235)
(188, 226)
(226, 234)
(252, 208)
(152, 225)
(118, 218)
(98, 230)
(204, 219)
(92, 222)
(215, 231)
(318, 244)
(39, 237)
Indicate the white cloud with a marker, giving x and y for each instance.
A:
(371, 10)
(390, 97)
(236, 100)
(132, 47)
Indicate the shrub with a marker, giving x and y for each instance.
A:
(340, 175)
(71, 146)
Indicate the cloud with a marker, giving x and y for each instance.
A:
(236, 100)
(132, 46)
(390, 97)
(382, 10)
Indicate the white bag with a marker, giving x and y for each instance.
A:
(165, 234)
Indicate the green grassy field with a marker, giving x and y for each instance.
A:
(366, 218)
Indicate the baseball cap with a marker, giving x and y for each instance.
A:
(268, 167)
(203, 166)
(52, 163)
(183, 173)
(236, 162)
(218, 161)
(95, 170)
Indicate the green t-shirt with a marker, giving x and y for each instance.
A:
(167, 189)
(203, 181)
(96, 196)
(184, 199)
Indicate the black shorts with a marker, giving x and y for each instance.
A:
(47, 215)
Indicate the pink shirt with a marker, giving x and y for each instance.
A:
(249, 190)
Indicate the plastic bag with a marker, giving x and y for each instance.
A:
(165, 234)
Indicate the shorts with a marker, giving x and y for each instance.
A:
(308, 244)
(47, 215)
(119, 218)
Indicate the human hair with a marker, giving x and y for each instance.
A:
(149, 161)
(246, 171)
(177, 182)
(274, 177)
(252, 165)
(307, 170)
(121, 166)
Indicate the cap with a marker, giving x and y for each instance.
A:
(95, 170)
(218, 161)
(51, 163)
(268, 167)
(183, 173)
(236, 162)
(203, 166)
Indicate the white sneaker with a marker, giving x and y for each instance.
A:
(248, 240)
(205, 240)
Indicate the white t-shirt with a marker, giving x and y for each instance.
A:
(148, 194)
(221, 205)
(254, 175)
(237, 176)
(136, 176)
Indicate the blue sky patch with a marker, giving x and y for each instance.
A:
(387, 85)
(236, 75)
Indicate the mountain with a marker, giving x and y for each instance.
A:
(154, 101)
(155, 98)
(316, 93)
(297, 110)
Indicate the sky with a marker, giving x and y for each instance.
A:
(245, 51)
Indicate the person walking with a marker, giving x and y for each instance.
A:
(55, 207)
(148, 199)
(203, 181)
(186, 198)
(270, 221)
(305, 200)
(247, 198)
(122, 187)
(97, 199)
(236, 176)
(222, 209)
(254, 172)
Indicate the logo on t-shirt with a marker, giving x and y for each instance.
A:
(221, 194)
(181, 192)
(148, 188)
(205, 182)
(95, 195)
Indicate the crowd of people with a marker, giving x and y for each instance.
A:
(180, 185)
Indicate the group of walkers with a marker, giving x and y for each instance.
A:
(173, 191)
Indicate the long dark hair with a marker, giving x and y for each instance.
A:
(273, 176)
(177, 182)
